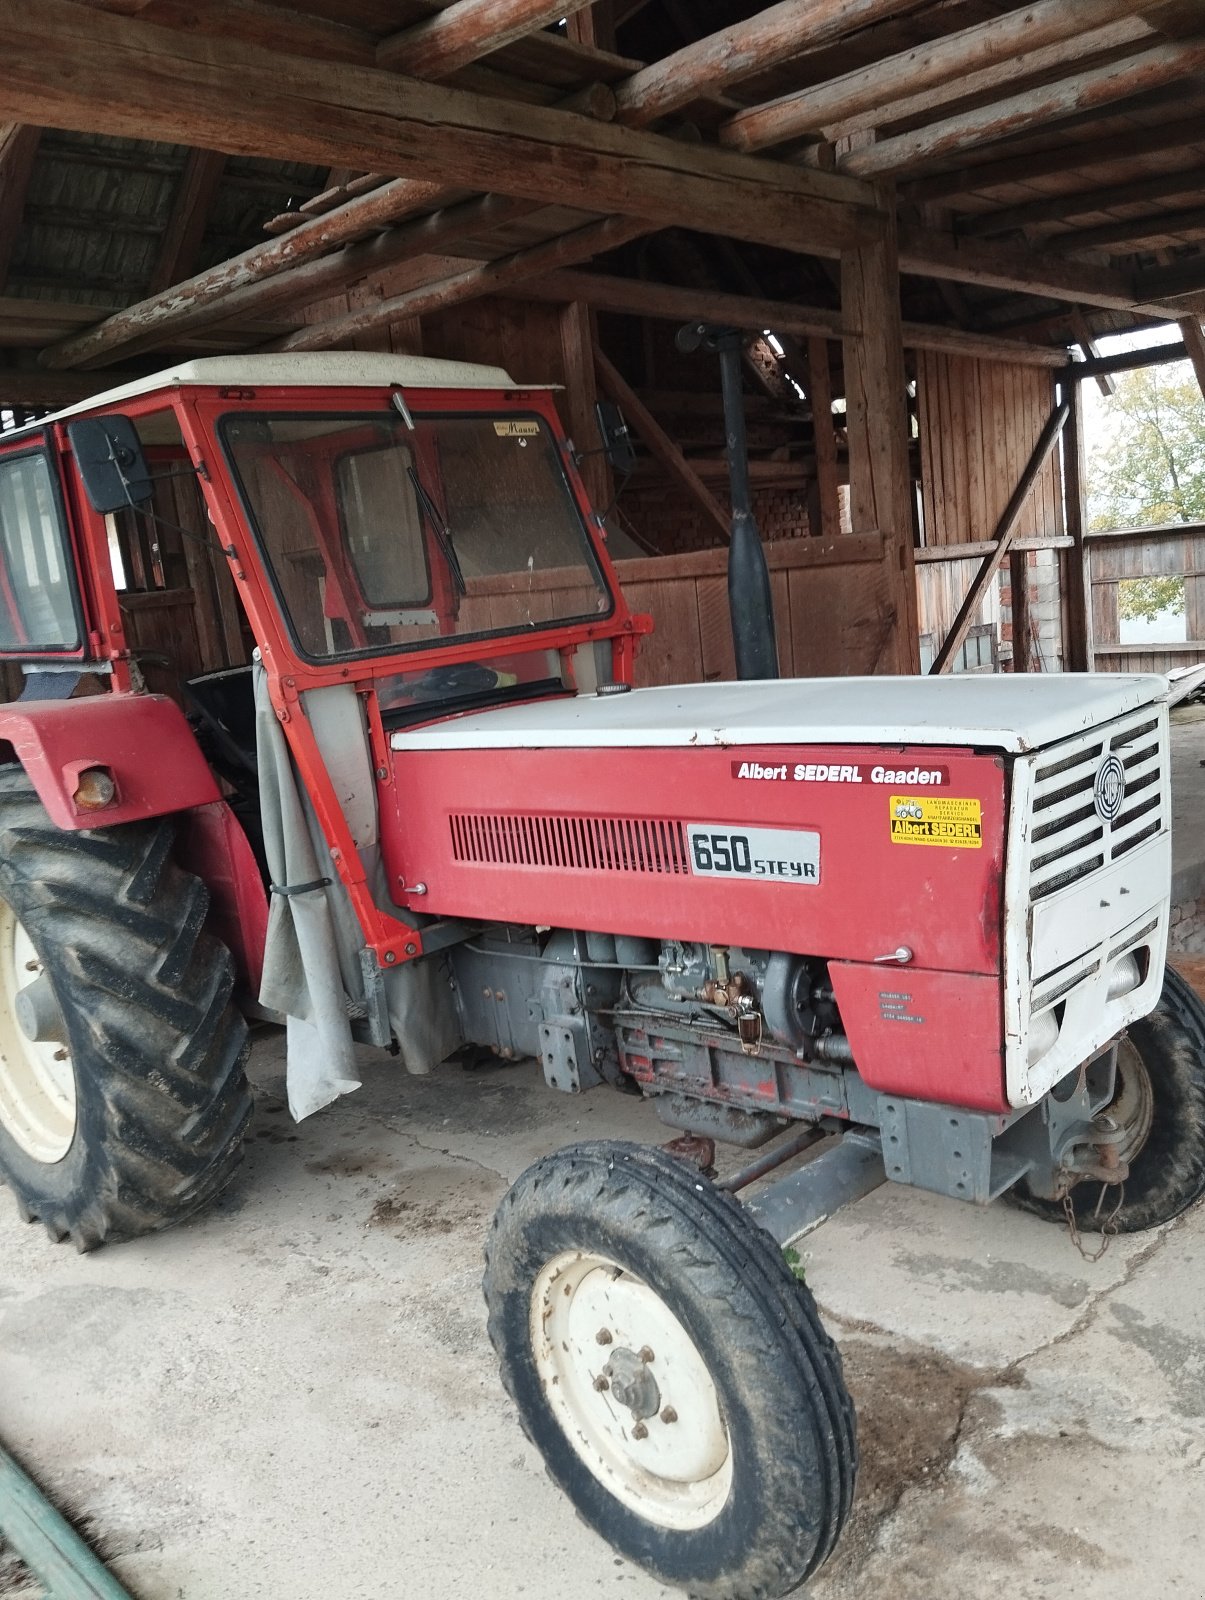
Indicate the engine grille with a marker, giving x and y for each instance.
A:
(1069, 838)
(572, 843)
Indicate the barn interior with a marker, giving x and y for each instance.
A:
(922, 215)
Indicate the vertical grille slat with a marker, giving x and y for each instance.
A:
(1069, 838)
(646, 846)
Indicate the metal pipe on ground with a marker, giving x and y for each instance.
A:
(47, 1544)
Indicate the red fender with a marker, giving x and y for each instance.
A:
(143, 739)
(211, 843)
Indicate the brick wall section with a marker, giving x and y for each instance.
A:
(1187, 935)
(668, 522)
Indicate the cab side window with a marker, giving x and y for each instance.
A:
(37, 584)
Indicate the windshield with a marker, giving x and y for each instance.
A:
(385, 537)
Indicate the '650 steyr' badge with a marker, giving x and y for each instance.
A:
(1109, 790)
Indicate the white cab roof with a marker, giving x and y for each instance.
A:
(342, 369)
(998, 713)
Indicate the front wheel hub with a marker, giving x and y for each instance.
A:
(633, 1384)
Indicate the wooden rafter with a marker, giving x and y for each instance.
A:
(737, 52)
(1185, 222)
(1061, 207)
(18, 152)
(191, 207)
(465, 31)
(951, 63)
(1086, 91)
(495, 277)
(991, 169)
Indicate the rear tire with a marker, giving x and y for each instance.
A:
(128, 1113)
(1161, 1100)
(743, 1477)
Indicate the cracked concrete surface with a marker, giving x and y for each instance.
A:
(293, 1396)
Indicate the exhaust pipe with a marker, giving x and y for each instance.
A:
(750, 600)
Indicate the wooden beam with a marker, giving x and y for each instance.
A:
(1086, 91)
(635, 297)
(465, 31)
(876, 424)
(1060, 207)
(1154, 355)
(1194, 344)
(494, 277)
(1005, 266)
(1180, 280)
(657, 440)
(725, 58)
(1005, 529)
(95, 73)
(953, 63)
(1188, 220)
(987, 171)
(191, 207)
(18, 152)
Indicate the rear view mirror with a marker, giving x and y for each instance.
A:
(616, 440)
(112, 467)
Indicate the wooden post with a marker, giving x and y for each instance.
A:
(18, 151)
(876, 419)
(1076, 562)
(658, 441)
(820, 394)
(1022, 615)
(577, 359)
(1006, 530)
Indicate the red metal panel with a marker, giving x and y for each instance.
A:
(928, 1035)
(143, 739)
(569, 838)
(212, 845)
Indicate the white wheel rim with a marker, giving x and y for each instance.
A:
(679, 1473)
(37, 1080)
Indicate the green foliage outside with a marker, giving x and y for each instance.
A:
(1150, 471)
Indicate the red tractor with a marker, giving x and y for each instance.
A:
(924, 920)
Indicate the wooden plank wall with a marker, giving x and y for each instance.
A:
(832, 610)
(978, 422)
(1140, 553)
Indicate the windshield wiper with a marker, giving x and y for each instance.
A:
(443, 534)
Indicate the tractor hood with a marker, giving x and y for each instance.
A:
(1011, 714)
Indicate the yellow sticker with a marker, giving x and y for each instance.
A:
(936, 819)
(517, 430)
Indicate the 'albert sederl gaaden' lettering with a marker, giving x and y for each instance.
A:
(832, 772)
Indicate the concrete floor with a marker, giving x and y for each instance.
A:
(293, 1396)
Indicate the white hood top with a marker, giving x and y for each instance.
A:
(997, 713)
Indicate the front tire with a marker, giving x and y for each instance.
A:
(671, 1371)
(123, 1098)
(1160, 1106)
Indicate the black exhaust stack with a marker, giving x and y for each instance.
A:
(750, 602)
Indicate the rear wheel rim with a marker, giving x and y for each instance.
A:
(593, 1326)
(37, 1079)
(1133, 1105)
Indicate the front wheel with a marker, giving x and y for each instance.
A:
(1159, 1105)
(671, 1371)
